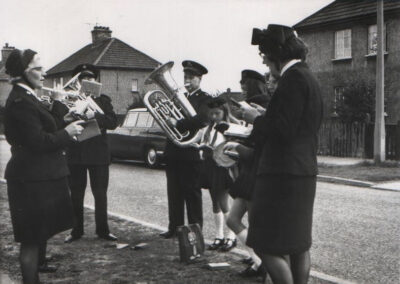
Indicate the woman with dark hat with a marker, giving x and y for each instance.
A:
(254, 87)
(36, 174)
(280, 219)
(255, 90)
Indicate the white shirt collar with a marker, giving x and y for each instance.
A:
(289, 64)
(30, 91)
(193, 92)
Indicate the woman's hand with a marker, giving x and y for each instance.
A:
(259, 108)
(74, 128)
(249, 114)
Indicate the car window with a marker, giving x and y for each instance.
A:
(155, 125)
(142, 119)
(130, 121)
(150, 121)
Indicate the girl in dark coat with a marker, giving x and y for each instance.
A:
(37, 172)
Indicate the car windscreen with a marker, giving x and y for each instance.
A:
(131, 119)
(144, 120)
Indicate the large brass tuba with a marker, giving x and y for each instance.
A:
(171, 102)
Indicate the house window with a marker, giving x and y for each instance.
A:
(373, 39)
(338, 98)
(343, 44)
(134, 85)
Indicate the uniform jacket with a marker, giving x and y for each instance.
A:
(94, 151)
(198, 100)
(37, 142)
(287, 133)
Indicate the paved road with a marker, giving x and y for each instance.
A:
(356, 230)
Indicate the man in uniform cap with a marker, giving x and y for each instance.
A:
(91, 156)
(184, 164)
(251, 74)
(86, 71)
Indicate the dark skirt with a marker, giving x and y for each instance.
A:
(214, 177)
(243, 186)
(280, 219)
(39, 210)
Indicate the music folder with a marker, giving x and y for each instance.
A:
(90, 88)
(90, 129)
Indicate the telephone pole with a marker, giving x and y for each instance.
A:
(379, 131)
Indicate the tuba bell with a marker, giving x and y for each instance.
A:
(170, 102)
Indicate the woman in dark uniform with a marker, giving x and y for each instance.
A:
(280, 219)
(255, 90)
(36, 174)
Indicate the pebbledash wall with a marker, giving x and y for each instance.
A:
(333, 72)
(118, 85)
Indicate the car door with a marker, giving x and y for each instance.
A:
(120, 139)
(139, 135)
(156, 136)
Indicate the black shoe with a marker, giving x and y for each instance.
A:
(45, 268)
(71, 238)
(229, 244)
(108, 237)
(218, 243)
(168, 234)
(250, 272)
(247, 260)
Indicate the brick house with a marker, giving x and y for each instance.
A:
(342, 44)
(123, 69)
(5, 86)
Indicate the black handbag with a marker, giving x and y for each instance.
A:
(191, 242)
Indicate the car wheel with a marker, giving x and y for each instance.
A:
(151, 158)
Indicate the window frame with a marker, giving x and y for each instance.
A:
(340, 51)
(135, 87)
(369, 52)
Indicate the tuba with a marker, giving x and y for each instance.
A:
(171, 102)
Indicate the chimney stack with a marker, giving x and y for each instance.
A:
(100, 33)
(6, 51)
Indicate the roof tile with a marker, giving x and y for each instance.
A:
(345, 9)
(109, 53)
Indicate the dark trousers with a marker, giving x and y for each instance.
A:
(99, 183)
(183, 187)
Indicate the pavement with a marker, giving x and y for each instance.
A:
(92, 260)
(343, 161)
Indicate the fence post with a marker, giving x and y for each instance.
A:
(369, 141)
(397, 141)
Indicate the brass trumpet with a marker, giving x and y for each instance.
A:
(75, 100)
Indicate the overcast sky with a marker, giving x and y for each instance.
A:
(216, 33)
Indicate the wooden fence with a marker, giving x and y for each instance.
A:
(356, 140)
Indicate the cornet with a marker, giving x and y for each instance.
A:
(76, 100)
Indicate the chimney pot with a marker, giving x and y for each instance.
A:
(100, 33)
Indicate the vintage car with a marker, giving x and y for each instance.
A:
(139, 137)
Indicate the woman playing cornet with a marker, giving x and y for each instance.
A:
(36, 174)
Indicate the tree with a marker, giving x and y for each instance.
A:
(357, 102)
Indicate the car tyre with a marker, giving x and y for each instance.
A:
(151, 158)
